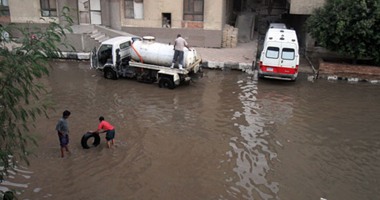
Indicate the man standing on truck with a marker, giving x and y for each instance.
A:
(179, 44)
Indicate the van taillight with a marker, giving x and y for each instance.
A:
(261, 63)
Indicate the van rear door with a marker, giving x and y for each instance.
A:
(289, 55)
(280, 58)
(271, 57)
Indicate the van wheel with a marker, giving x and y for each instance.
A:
(87, 136)
(110, 74)
(166, 82)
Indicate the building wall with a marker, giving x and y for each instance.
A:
(115, 15)
(153, 9)
(207, 33)
(72, 5)
(29, 11)
(213, 15)
(304, 7)
(23, 11)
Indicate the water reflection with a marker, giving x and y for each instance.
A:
(16, 180)
(254, 148)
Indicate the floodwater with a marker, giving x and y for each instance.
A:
(225, 136)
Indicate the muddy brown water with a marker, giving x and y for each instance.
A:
(225, 136)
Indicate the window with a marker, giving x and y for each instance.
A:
(193, 10)
(128, 9)
(272, 52)
(4, 8)
(134, 9)
(48, 8)
(287, 54)
(125, 45)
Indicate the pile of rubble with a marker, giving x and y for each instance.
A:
(230, 36)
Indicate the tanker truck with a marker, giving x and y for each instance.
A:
(145, 60)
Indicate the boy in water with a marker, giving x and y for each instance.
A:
(106, 127)
(62, 128)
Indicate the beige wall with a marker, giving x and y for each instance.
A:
(213, 15)
(152, 14)
(304, 7)
(23, 11)
(153, 9)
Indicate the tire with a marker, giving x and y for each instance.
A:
(166, 82)
(87, 136)
(110, 74)
(260, 76)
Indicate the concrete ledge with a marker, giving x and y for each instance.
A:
(227, 65)
(76, 55)
(347, 72)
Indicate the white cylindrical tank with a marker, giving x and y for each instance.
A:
(151, 52)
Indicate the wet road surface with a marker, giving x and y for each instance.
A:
(225, 136)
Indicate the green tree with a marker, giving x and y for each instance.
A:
(23, 61)
(350, 27)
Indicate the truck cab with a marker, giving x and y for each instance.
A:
(112, 52)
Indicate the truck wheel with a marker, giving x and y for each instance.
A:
(110, 74)
(166, 82)
(260, 76)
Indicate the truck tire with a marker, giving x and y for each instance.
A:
(166, 82)
(110, 74)
(87, 136)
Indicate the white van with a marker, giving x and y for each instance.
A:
(280, 56)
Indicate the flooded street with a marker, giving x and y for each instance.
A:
(225, 136)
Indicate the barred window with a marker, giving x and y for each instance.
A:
(4, 8)
(193, 10)
(128, 9)
(134, 9)
(48, 8)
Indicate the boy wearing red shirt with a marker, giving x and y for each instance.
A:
(105, 126)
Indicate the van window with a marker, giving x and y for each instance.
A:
(287, 54)
(125, 45)
(272, 52)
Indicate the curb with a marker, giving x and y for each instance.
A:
(76, 55)
(348, 79)
(245, 67)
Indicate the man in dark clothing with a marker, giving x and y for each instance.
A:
(63, 132)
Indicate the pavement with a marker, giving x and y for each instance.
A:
(241, 57)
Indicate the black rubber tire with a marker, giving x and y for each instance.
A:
(87, 136)
(110, 74)
(166, 82)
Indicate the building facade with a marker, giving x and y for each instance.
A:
(201, 22)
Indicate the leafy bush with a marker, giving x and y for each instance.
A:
(350, 27)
